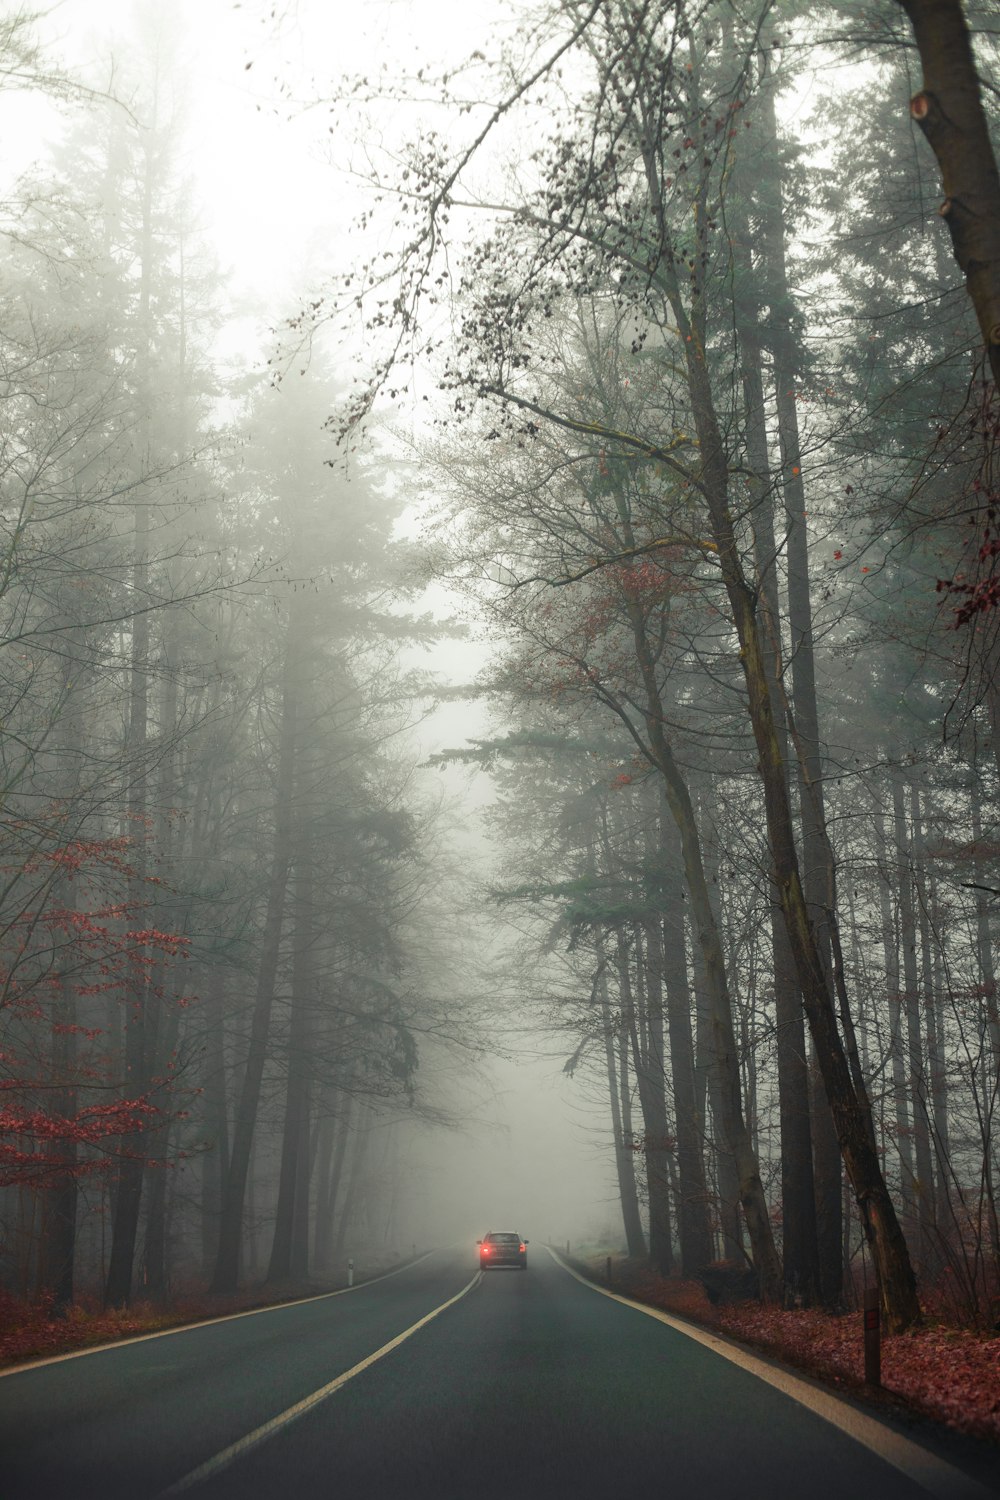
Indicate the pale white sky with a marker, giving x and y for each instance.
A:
(258, 71)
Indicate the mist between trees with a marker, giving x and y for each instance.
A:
(712, 431)
(220, 886)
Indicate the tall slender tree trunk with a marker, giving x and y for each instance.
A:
(800, 1239)
(227, 1265)
(628, 1196)
(155, 1252)
(923, 1185)
(327, 1201)
(990, 1050)
(654, 1114)
(949, 110)
(57, 1257)
(287, 1258)
(357, 1166)
(728, 1102)
(58, 1249)
(215, 1158)
(847, 1097)
(140, 1023)
(324, 1158)
(888, 867)
(818, 878)
(694, 1227)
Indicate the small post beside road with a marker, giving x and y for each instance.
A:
(567, 1247)
(350, 1273)
(609, 1270)
(873, 1337)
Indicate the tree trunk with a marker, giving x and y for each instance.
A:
(888, 867)
(140, 1023)
(215, 1158)
(326, 1201)
(923, 1182)
(58, 1249)
(851, 1111)
(800, 1241)
(362, 1138)
(694, 1228)
(949, 110)
(728, 1103)
(57, 1255)
(654, 1114)
(287, 1257)
(226, 1276)
(824, 1233)
(628, 1196)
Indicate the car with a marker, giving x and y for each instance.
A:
(502, 1247)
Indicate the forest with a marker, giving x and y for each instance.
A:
(676, 325)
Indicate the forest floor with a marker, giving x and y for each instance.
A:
(947, 1374)
(32, 1330)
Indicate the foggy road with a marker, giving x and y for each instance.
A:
(518, 1383)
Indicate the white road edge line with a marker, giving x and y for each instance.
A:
(935, 1475)
(236, 1450)
(250, 1312)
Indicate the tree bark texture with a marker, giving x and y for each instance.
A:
(949, 111)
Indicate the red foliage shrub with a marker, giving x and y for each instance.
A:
(686, 1299)
(32, 1330)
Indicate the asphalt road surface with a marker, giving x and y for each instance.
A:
(514, 1384)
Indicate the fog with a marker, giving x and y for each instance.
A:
(498, 681)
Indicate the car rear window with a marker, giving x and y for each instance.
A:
(505, 1239)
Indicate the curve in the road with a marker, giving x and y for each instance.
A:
(935, 1475)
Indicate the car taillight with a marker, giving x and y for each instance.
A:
(521, 1248)
(486, 1250)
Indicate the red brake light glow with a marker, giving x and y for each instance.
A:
(521, 1248)
(485, 1249)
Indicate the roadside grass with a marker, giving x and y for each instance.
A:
(949, 1374)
